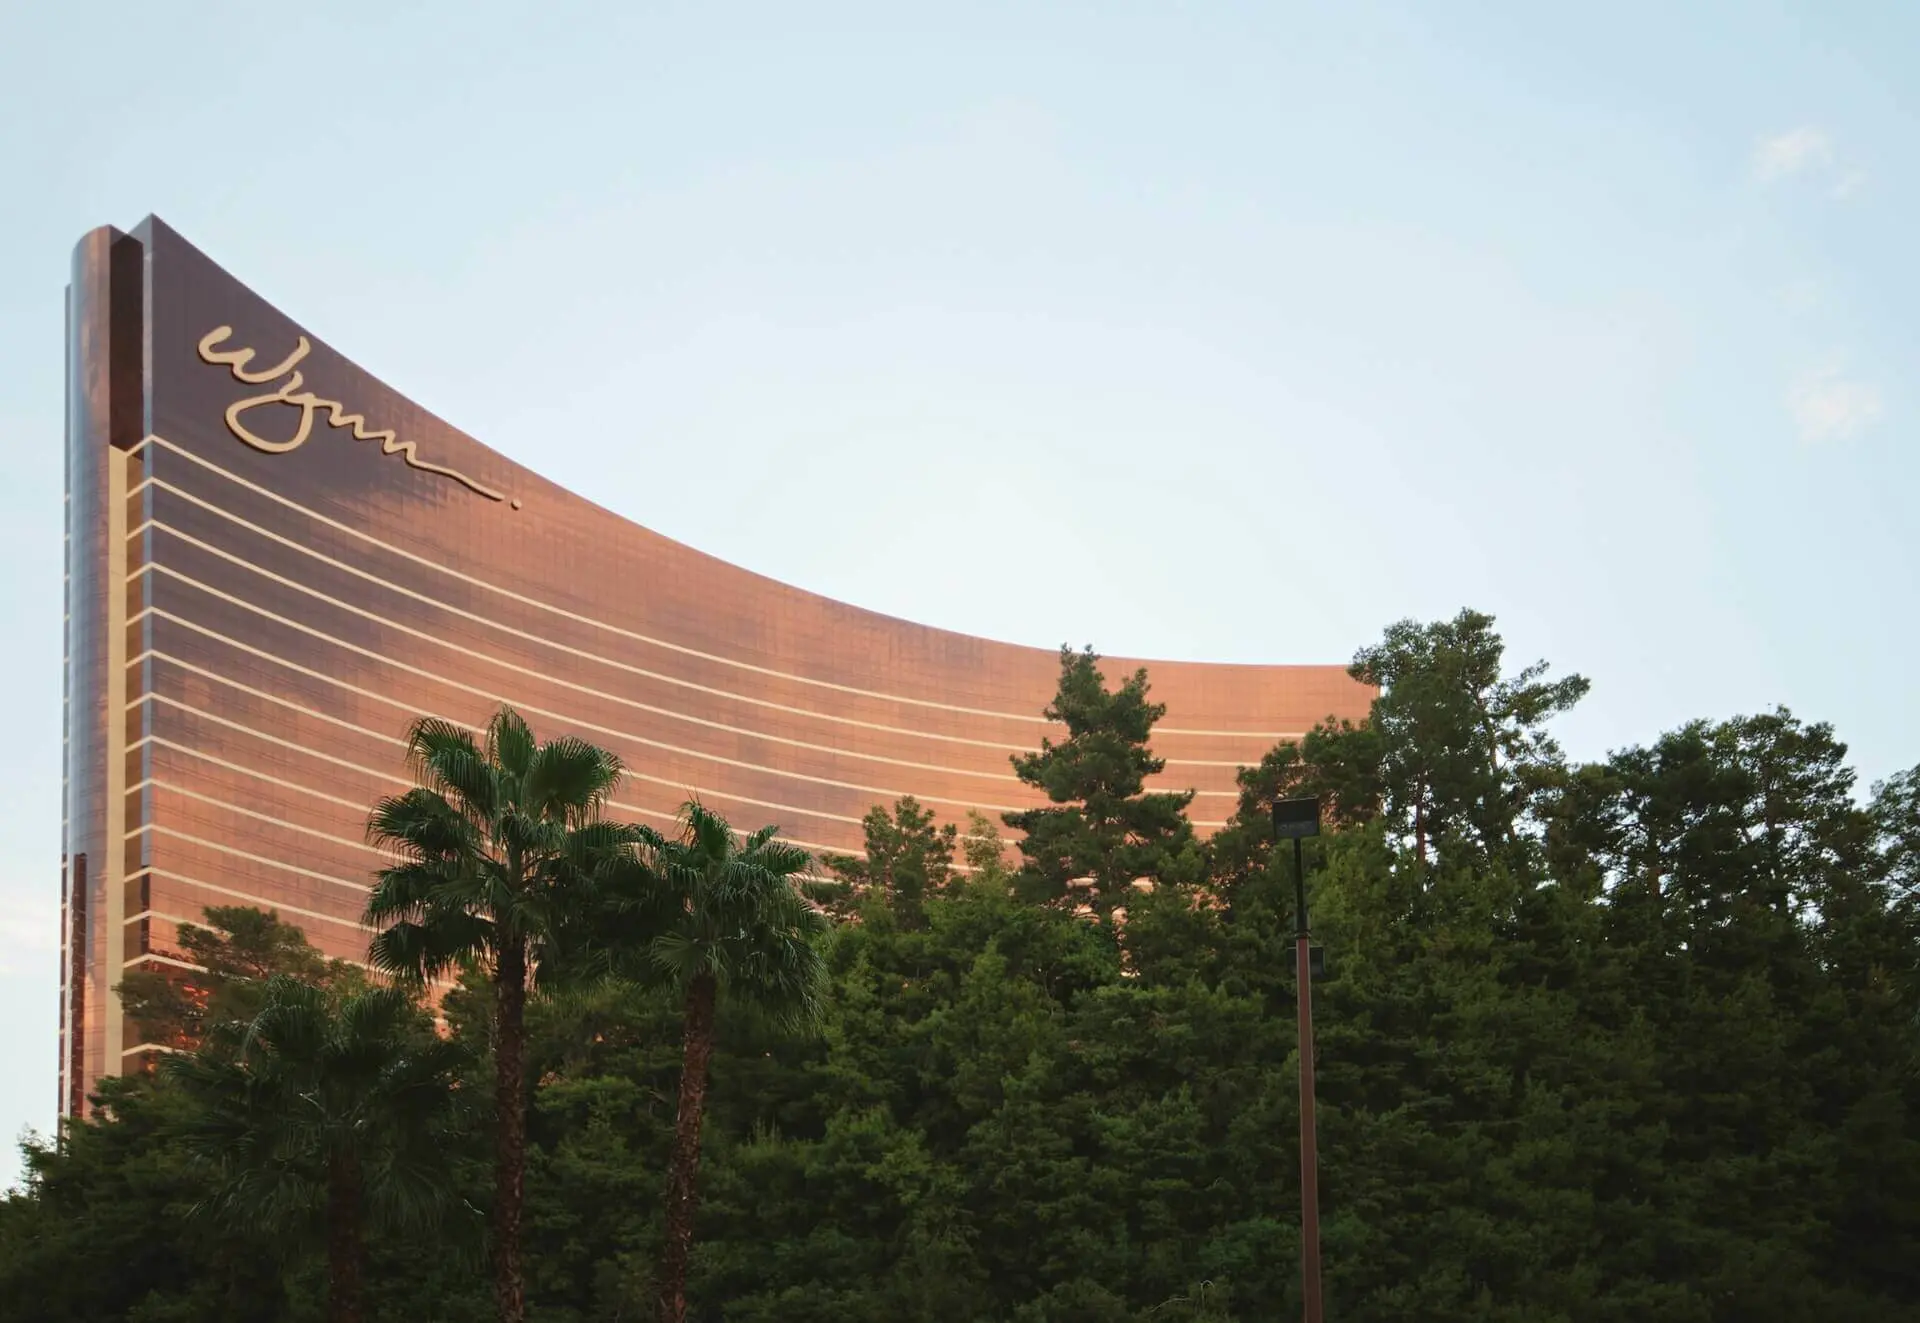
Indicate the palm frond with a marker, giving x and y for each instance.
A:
(569, 780)
(405, 890)
(445, 758)
(419, 952)
(732, 909)
(510, 743)
(419, 824)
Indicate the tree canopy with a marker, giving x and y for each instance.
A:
(1106, 830)
(1636, 1038)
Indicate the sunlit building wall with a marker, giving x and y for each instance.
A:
(275, 562)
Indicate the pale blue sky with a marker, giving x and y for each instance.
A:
(1216, 331)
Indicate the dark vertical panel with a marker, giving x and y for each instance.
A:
(126, 368)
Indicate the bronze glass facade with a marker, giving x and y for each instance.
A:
(275, 562)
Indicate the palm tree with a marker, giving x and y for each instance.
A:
(324, 1116)
(725, 919)
(498, 848)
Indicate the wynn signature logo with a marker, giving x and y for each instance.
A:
(287, 382)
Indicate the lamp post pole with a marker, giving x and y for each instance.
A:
(1297, 819)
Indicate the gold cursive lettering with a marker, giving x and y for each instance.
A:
(288, 392)
(237, 359)
(285, 395)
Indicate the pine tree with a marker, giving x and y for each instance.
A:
(1462, 752)
(237, 952)
(1107, 830)
(909, 857)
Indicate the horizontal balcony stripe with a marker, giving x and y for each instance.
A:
(498, 697)
(250, 813)
(562, 612)
(255, 773)
(887, 796)
(703, 792)
(161, 829)
(548, 677)
(576, 616)
(814, 714)
(676, 609)
(265, 901)
(231, 724)
(585, 655)
(173, 919)
(427, 682)
(155, 958)
(162, 743)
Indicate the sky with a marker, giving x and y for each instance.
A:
(1226, 332)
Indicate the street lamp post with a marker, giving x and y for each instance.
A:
(1295, 820)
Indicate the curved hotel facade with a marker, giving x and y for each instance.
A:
(274, 562)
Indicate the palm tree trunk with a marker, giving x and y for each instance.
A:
(510, 1134)
(343, 1239)
(696, 1055)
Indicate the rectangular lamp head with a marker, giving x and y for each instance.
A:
(1294, 818)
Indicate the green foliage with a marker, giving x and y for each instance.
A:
(321, 1119)
(1455, 753)
(103, 1229)
(711, 904)
(497, 846)
(1632, 1040)
(984, 850)
(500, 848)
(723, 920)
(1108, 830)
(909, 856)
(238, 951)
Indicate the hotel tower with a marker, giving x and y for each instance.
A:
(274, 562)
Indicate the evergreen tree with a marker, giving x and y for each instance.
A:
(1454, 752)
(984, 850)
(1107, 830)
(238, 951)
(1627, 1040)
(101, 1228)
(909, 857)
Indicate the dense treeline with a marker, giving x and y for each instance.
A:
(1638, 1039)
